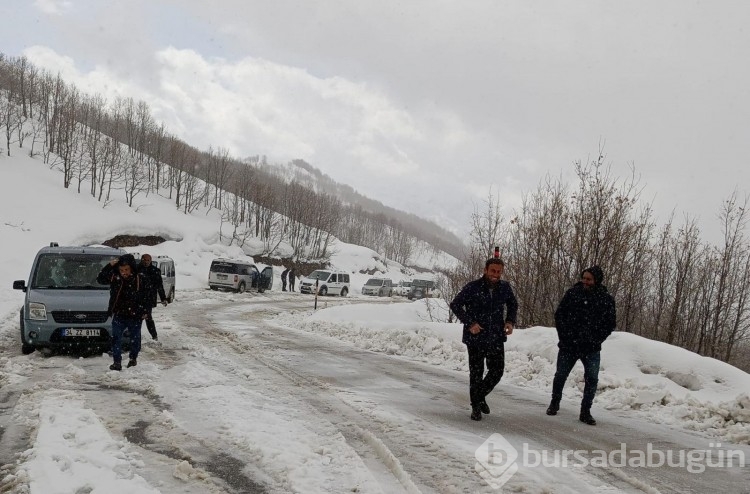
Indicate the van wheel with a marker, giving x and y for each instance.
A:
(170, 298)
(323, 291)
(215, 288)
(241, 288)
(344, 291)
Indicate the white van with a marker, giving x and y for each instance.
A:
(403, 288)
(328, 282)
(380, 287)
(237, 275)
(64, 305)
(166, 266)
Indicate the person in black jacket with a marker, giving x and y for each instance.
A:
(480, 306)
(585, 318)
(155, 285)
(283, 279)
(292, 278)
(128, 300)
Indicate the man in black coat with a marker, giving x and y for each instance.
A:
(283, 279)
(480, 306)
(585, 318)
(292, 278)
(128, 298)
(155, 285)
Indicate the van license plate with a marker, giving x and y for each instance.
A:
(222, 276)
(80, 332)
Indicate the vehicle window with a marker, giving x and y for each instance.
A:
(224, 267)
(319, 275)
(334, 278)
(373, 281)
(346, 278)
(69, 271)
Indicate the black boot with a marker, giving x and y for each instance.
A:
(116, 366)
(483, 407)
(586, 417)
(132, 363)
(476, 413)
(553, 408)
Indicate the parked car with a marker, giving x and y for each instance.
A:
(166, 266)
(238, 276)
(381, 287)
(403, 288)
(421, 288)
(64, 305)
(327, 282)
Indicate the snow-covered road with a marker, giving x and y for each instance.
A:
(232, 400)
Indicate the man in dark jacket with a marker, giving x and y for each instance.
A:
(283, 279)
(292, 278)
(585, 318)
(155, 286)
(480, 306)
(128, 299)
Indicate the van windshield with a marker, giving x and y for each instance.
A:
(374, 281)
(69, 271)
(319, 275)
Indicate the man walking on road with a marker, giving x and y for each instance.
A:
(585, 318)
(155, 285)
(128, 298)
(480, 306)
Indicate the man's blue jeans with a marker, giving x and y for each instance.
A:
(119, 325)
(565, 362)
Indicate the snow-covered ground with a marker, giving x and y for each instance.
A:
(199, 391)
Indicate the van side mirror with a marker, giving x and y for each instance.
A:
(19, 285)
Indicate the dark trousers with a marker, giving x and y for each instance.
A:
(291, 285)
(150, 325)
(480, 385)
(565, 362)
(283, 284)
(119, 325)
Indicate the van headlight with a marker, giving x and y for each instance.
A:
(37, 311)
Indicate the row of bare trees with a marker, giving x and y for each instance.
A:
(117, 146)
(669, 285)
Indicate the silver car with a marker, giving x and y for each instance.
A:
(64, 305)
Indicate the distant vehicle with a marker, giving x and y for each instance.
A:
(328, 282)
(64, 305)
(423, 289)
(403, 288)
(380, 287)
(166, 266)
(238, 275)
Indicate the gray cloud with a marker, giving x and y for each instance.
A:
(428, 105)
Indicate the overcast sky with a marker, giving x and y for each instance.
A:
(426, 104)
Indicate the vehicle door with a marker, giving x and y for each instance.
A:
(334, 286)
(266, 279)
